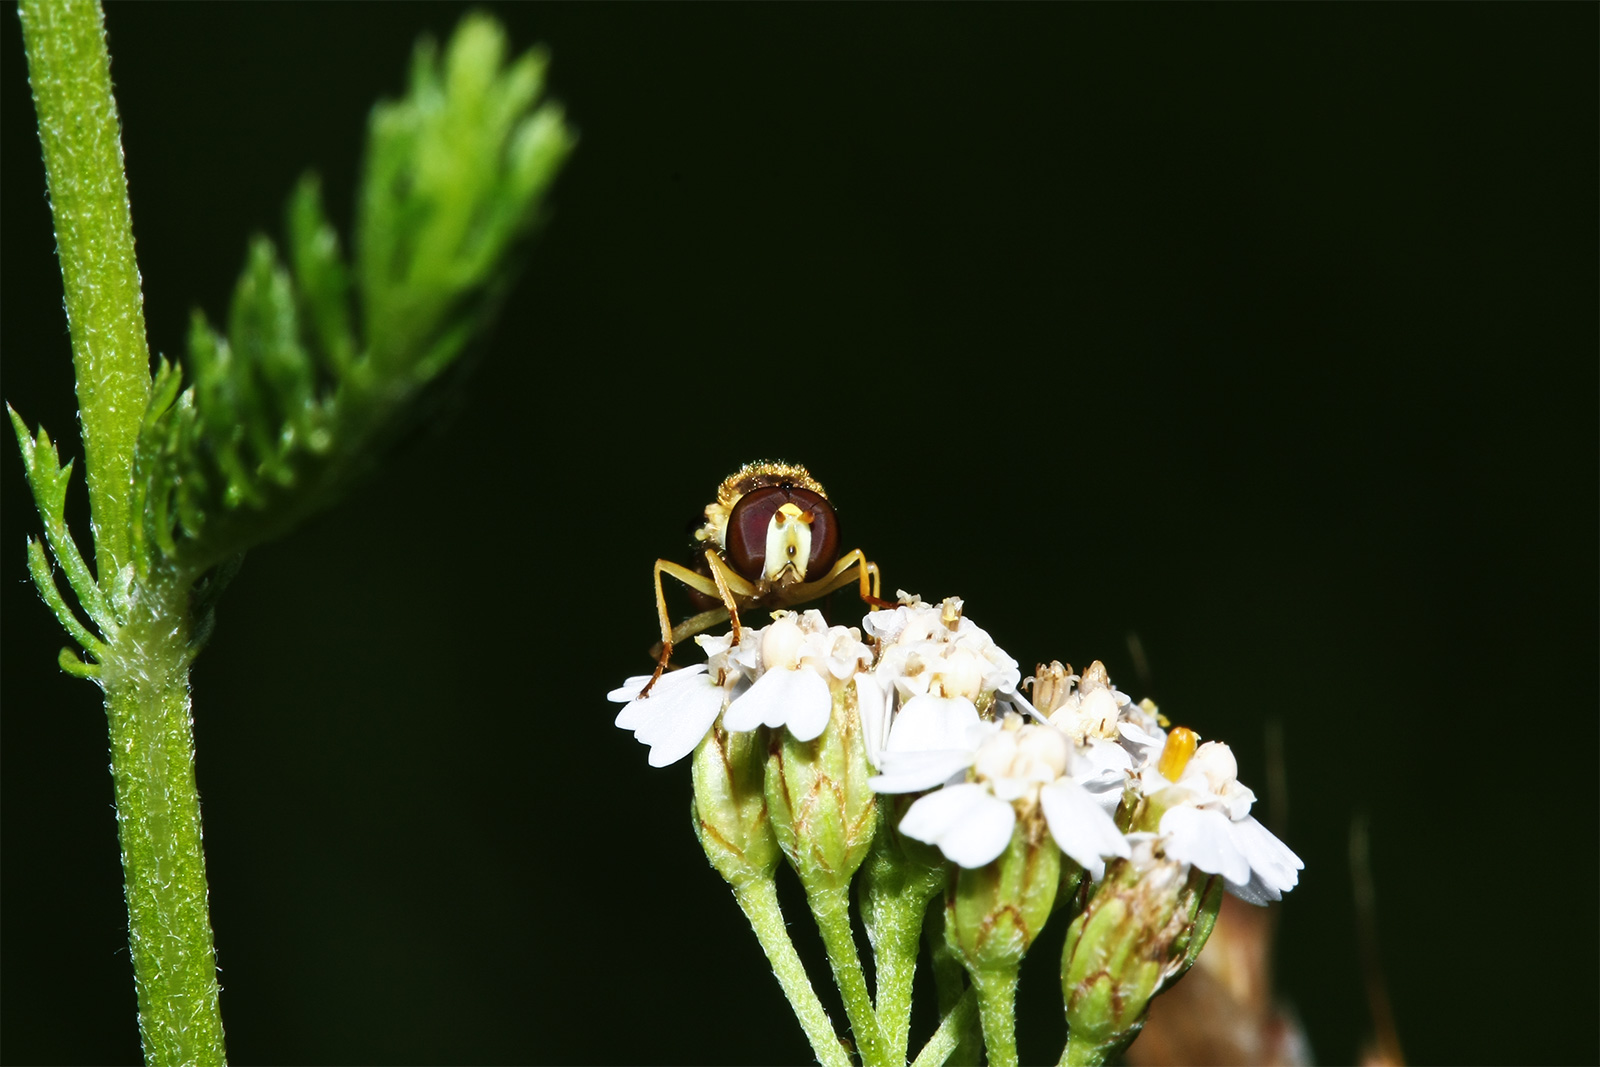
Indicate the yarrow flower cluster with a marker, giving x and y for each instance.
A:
(942, 715)
(803, 732)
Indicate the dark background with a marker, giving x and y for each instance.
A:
(1268, 334)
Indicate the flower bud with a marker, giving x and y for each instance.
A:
(823, 812)
(899, 866)
(730, 806)
(994, 912)
(1140, 931)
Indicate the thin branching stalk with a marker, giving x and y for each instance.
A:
(952, 1029)
(997, 1005)
(831, 906)
(759, 901)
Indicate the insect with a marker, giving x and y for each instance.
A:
(771, 541)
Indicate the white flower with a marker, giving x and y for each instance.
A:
(936, 739)
(932, 741)
(928, 650)
(1086, 706)
(682, 704)
(1208, 824)
(793, 661)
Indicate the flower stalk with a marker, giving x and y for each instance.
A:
(896, 885)
(758, 899)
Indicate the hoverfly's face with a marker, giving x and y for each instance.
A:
(782, 534)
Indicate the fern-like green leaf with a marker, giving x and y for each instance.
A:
(321, 360)
(49, 480)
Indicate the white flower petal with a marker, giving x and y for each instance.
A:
(1081, 826)
(970, 827)
(798, 698)
(664, 695)
(912, 772)
(811, 705)
(629, 690)
(1136, 735)
(675, 716)
(1204, 838)
(1102, 759)
(927, 722)
(1256, 891)
(1273, 864)
(872, 704)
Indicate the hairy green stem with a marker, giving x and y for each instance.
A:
(146, 682)
(144, 662)
(831, 906)
(997, 1008)
(894, 924)
(70, 72)
(950, 980)
(759, 900)
(952, 1028)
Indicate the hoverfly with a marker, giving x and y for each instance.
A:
(771, 541)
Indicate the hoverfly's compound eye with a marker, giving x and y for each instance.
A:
(762, 511)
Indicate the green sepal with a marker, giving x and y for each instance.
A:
(823, 812)
(1142, 929)
(729, 809)
(899, 872)
(993, 913)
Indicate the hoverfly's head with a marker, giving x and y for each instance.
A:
(782, 534)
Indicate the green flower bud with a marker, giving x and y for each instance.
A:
(730, 805)
(899, 866)
(994, 912)
(1140, 931)
(823, 812)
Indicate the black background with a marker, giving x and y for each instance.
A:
(1267, 333)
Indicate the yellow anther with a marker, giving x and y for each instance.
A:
(1175, 757)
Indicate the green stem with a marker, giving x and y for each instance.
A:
(143, 666)
(831, 906)
(950, 980)
(158, 823)
(71, 77)
(997, 1007)
(952, 1029)
(759, 900)
(894, 922)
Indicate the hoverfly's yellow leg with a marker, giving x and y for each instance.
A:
(698, 582)
(866, 575)
(730, 583)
